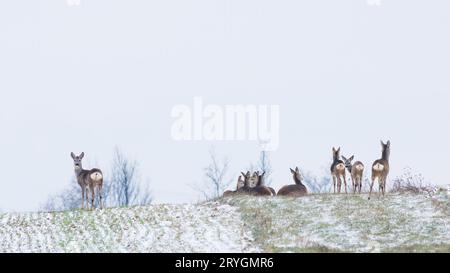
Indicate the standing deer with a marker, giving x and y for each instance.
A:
(89, 181)
(296, 190)
(338, 171)
(380, 168)
(258, 190)
(240, 184)
(356, 171)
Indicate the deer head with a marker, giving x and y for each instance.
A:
(296, 175)
(386, 149)
(247, 177)
(77, 160)
(348, 162)
(240, 183)
(254, 180)
(336, 153)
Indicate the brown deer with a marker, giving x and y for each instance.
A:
(356, 171)
(89, 181)
(296, 190)
(258, 190)
(338, 171)
(380, 168)
(240, 184)
(261, 182)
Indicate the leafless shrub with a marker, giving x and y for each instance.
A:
(216, 178)
(125, 188)
(67, 199)
(265, 167)
(410, 182)
(316, 184)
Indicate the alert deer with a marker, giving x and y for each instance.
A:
(338, 171)
(258, 190)
(261, 182)
(380, 168)
(240, 184)
(356, 171)
(89, 181)
(296, 190)
(254, 180)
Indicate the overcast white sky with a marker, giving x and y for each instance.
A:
(108, 72)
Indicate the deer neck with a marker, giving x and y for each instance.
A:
(297, 181)
(385, 155)
(78, 170)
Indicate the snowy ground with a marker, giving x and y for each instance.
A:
(317, 223)
(350, 223)
(209, 227)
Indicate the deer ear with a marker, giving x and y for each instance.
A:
(72, 155)
(343, 157)
(339, 149)
(388, 143)
(243, 174)
(292, 171)
(297, 170)
(334, 150)
(351, 158)
(82, 155)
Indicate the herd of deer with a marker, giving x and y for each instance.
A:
(91, 181)
(254, 184)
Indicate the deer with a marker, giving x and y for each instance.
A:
(356, 171)
(261, 182)
(258, 190)
(240, 184)
(89, 181)
(296, 190)
(380, 168)
(338, 171)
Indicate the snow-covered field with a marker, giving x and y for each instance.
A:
(350, 223)
(209, 227)
(317, 223)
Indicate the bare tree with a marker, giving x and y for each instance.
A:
(316, 184)
(68, 199)
(265, 166)
(125, 187)
(216, 180)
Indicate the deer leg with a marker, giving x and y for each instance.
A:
(334, 184)
(100, 195)
(371, 186)
(360, 184)
(354, 185)
(345, 182)
(82, 198)
(86, 197)
(339, 184)
(93, 198)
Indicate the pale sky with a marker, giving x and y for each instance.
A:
(108, 72)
